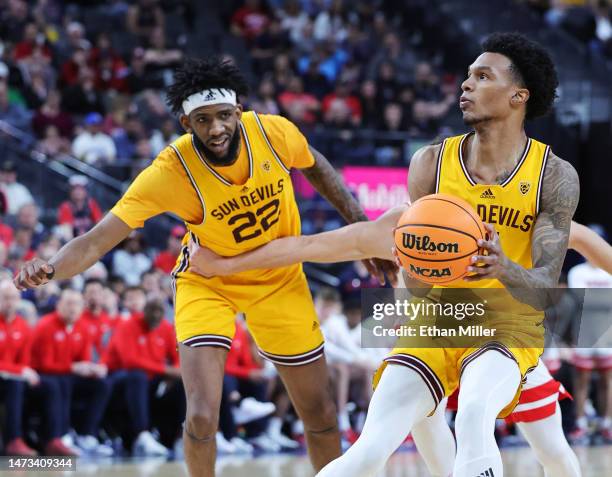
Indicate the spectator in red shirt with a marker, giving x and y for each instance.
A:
(134, 300)
(95, 318)
(50, 113)
(32, 40)
(250, 20)
(80, 211)
(142, 355)
(342, 94)
(15, 371)
(166, 259)
(302, 108)
(62, 355)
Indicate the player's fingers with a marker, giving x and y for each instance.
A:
(32, 274)
(480, 270)
(487, 259)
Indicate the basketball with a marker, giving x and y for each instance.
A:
(436, 238)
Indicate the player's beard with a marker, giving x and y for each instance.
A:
(228, 158)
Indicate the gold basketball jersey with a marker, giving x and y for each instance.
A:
(239, 218)
(511, 207)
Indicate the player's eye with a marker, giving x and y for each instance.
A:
(482, 76)
(225, 115)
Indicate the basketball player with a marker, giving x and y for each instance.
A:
(228, 179)
(503, 174)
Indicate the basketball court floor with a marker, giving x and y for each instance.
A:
(518, 462)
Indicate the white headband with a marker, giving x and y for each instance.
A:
(208, 97)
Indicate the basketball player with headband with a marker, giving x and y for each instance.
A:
(511, 81)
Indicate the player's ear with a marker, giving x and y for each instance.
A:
(184, 120)
(239, 110)
(520, 96)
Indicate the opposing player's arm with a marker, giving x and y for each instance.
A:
(352, 242)
(421, 182)
(591, 246)
(559, 199)
(330, 185)
(77, 255)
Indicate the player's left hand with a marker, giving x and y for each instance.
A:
(492, 265)
(205, 262)
(379, 268)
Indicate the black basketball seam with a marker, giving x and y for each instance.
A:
(435, 227)
(437, 260)
(461, 207)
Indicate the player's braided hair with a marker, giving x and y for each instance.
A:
(532, 66)
(195, 75)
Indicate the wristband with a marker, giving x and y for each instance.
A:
(51, 274)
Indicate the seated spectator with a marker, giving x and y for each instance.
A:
(110, 68)
(125, 138)
(92, 145)
(63, 359)
(14, 114)
(143, 155)
(315, 82)
(71, 70)
(40, 81)
(134, 299)
(50, 113)
(130, 261)
(22, 244)
(83, 98)
(138, 78)
(353, 279)
(283, 72)
(165, 134)
(250, 20)
(141, 355)
(300, 107)
(80, 212)
(53, 144)
(15, 16)
(368, 98)
(17, 195)
(32, 40)
(15, 372)
(347, 360)
(73, 37)
(158, 57)
(166, 259)
(6, 231)
(28, 218)
(151, 283)
(402, 59)
(263, 101)
(342, 94)
(269, 43)
(97, 322)
(390, 151)
(143, 17)
(330, 23)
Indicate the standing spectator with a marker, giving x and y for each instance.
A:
(92, 145)
(50, 113)
(15, 371)
(83, 98)
(17, 195)
(63, 357)
(166, 259)
(587, 360)
(130, 262)
(143, 17)
(80, 211)
(141, 355)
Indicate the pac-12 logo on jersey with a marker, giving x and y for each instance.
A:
(524, 187)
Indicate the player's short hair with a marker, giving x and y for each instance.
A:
(196, 75)
(532, 67)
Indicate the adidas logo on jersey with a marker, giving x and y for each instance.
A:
(486, 473)
(487, 194)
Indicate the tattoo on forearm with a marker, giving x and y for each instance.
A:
(560, 193)
(330, 185)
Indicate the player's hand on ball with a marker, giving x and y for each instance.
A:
(492, 265)
(33, 274)
(205, 262)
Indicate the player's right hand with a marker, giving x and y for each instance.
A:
(33, 274)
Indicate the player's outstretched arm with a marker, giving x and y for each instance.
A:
(560, 194)
(76, 256)
(351, 242)
(591, 246)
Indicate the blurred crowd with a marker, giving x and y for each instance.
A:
(87, 366)
(590, 21)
